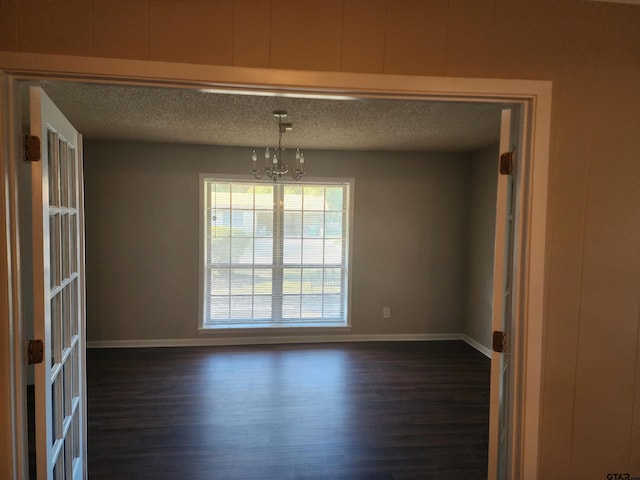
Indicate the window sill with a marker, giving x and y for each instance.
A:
(280, 329)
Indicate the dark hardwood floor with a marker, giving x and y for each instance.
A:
(373, 411)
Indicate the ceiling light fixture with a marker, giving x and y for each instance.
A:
(276, 167)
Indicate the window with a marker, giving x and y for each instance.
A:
(274, 254)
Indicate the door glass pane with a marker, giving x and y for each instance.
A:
(66, 391)
(58, 468)
(64, 172)
(66, 316)
(75, 432)
(73, 243)
(74, 387)
(61, 401)
(74, 307)
(52, 164)
(56, 329)
(71, 378)
(54, 415)
(68, 455)
(57, 407)
(73, 178)
(65, 239)
(55, 255)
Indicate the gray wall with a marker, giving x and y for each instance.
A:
(409, 250)
(482, 223)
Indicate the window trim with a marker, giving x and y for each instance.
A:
(202, 246)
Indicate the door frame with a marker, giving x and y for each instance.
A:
(530, 257)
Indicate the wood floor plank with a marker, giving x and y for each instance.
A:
(365, 411)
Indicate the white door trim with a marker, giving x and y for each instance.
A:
(13, 411)
(534, 95)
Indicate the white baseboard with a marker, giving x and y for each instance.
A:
(210, 341)
(289, 339)
(486, 351)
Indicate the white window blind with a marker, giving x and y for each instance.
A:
(275, 254)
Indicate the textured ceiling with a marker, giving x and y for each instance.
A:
(190, 116)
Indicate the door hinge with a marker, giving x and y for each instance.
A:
(31, 148)
(506, 163)
(35, 352)
(499, 343)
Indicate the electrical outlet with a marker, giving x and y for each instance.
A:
(386, 312)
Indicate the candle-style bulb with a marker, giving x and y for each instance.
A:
(297, 154)
(301, 158)
(275, 159)
(254, 157)
(267, 153)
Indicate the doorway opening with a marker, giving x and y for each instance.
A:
(409, 89)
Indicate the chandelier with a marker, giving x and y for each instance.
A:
(275, 166)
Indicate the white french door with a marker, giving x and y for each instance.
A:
(501, 402)
(59, 293)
